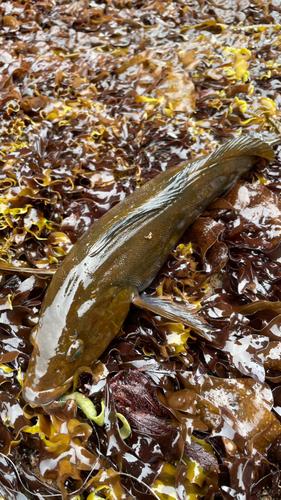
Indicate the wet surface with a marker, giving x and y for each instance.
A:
(96, 99)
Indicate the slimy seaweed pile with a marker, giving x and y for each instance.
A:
(96, 98)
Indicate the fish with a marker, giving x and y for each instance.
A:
(90, 294)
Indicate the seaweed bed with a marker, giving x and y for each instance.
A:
(97, 98)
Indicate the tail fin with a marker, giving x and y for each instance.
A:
(233, 149)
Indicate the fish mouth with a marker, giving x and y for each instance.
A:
(37, 397)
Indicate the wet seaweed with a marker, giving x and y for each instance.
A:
(95, 100)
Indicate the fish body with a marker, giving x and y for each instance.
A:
(90, 294)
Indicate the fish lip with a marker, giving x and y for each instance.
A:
(37, 397)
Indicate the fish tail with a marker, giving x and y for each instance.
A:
(234, 149)
(249, 146)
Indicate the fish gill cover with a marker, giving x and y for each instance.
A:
(96, 98)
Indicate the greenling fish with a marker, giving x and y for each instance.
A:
(90, 294)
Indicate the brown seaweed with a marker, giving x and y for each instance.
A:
(96, 99)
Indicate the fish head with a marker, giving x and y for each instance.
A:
(53, 364)
(65, 343)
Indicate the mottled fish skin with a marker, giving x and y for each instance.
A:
(90, 294)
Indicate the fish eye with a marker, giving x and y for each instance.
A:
(77, 354)
(75, 350)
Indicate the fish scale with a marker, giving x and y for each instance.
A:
(89, 296)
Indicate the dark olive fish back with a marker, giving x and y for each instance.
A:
(90, 294)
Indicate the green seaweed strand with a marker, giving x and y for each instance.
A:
(89, 409)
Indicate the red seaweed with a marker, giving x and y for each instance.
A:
(95, 100)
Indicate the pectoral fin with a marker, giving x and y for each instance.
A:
(181, 314)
